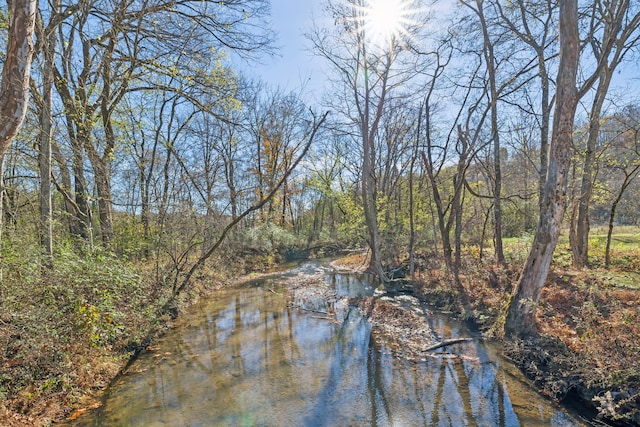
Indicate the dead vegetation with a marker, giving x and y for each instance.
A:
(64, 336)
(588, 322)
(403, 327)
(598, 327)
(589, 331)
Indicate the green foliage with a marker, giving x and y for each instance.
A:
(519, 218)
(352, 226)
(517, 248)
(96, 292)
(269, 237)
(129, 239)
(89, 300)
(4, 21)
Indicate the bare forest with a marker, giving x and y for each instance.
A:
(485, 152)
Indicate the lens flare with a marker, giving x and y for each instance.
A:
(386, 21)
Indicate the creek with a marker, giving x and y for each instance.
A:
(248, 356)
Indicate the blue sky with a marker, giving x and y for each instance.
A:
(294, 65)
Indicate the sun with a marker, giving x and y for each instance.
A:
(388, 20)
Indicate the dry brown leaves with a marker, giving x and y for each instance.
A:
(406, 331)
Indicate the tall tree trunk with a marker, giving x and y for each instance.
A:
(412, 225)
(78, 135)
(14, 87)
(619, 35)
(612, 217)
(370, 208)
(628, 178)
(80, 191)
(580, 234)
(444, 226)
(44, 156)
(456, 210)
(2, 191)
(495, 136)
(145, 215)
(101, 164)
(368, 129)
(229, 172)
(102, 178)
(44, 161)
(64, 188)
(521, 316)
(544, 128)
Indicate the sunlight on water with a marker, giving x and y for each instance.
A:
(246, 359)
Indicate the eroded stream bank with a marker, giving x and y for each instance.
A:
(273, 353)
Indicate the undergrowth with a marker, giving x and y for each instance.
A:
(66, 331)
(588, 322)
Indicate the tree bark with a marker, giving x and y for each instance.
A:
(620, 36)
(102, 178)
(44, 156)
(78, 133)
(368, 130)
(14, 87)
(628, 178)
(580, 238)
(521, 316)
(539, 43)
(64, 188)
(495, 136)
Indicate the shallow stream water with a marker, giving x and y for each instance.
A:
(245, 357)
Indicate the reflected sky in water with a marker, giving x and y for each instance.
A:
(246, 359)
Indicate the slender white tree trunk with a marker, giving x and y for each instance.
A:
(14, 87)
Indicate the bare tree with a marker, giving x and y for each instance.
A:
(46, 37)
(493, 94)
(624, 160)
(534, 24)
(614, 32)
(521, 321)
(368, 76)
(181, 282)
(111, 50)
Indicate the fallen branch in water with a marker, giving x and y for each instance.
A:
(323, 318)
(297, 307)
(446, 343)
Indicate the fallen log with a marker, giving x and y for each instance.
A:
(446, 343)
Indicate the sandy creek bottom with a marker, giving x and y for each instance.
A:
(246, 358)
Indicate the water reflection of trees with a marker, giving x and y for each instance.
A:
(252, 356)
